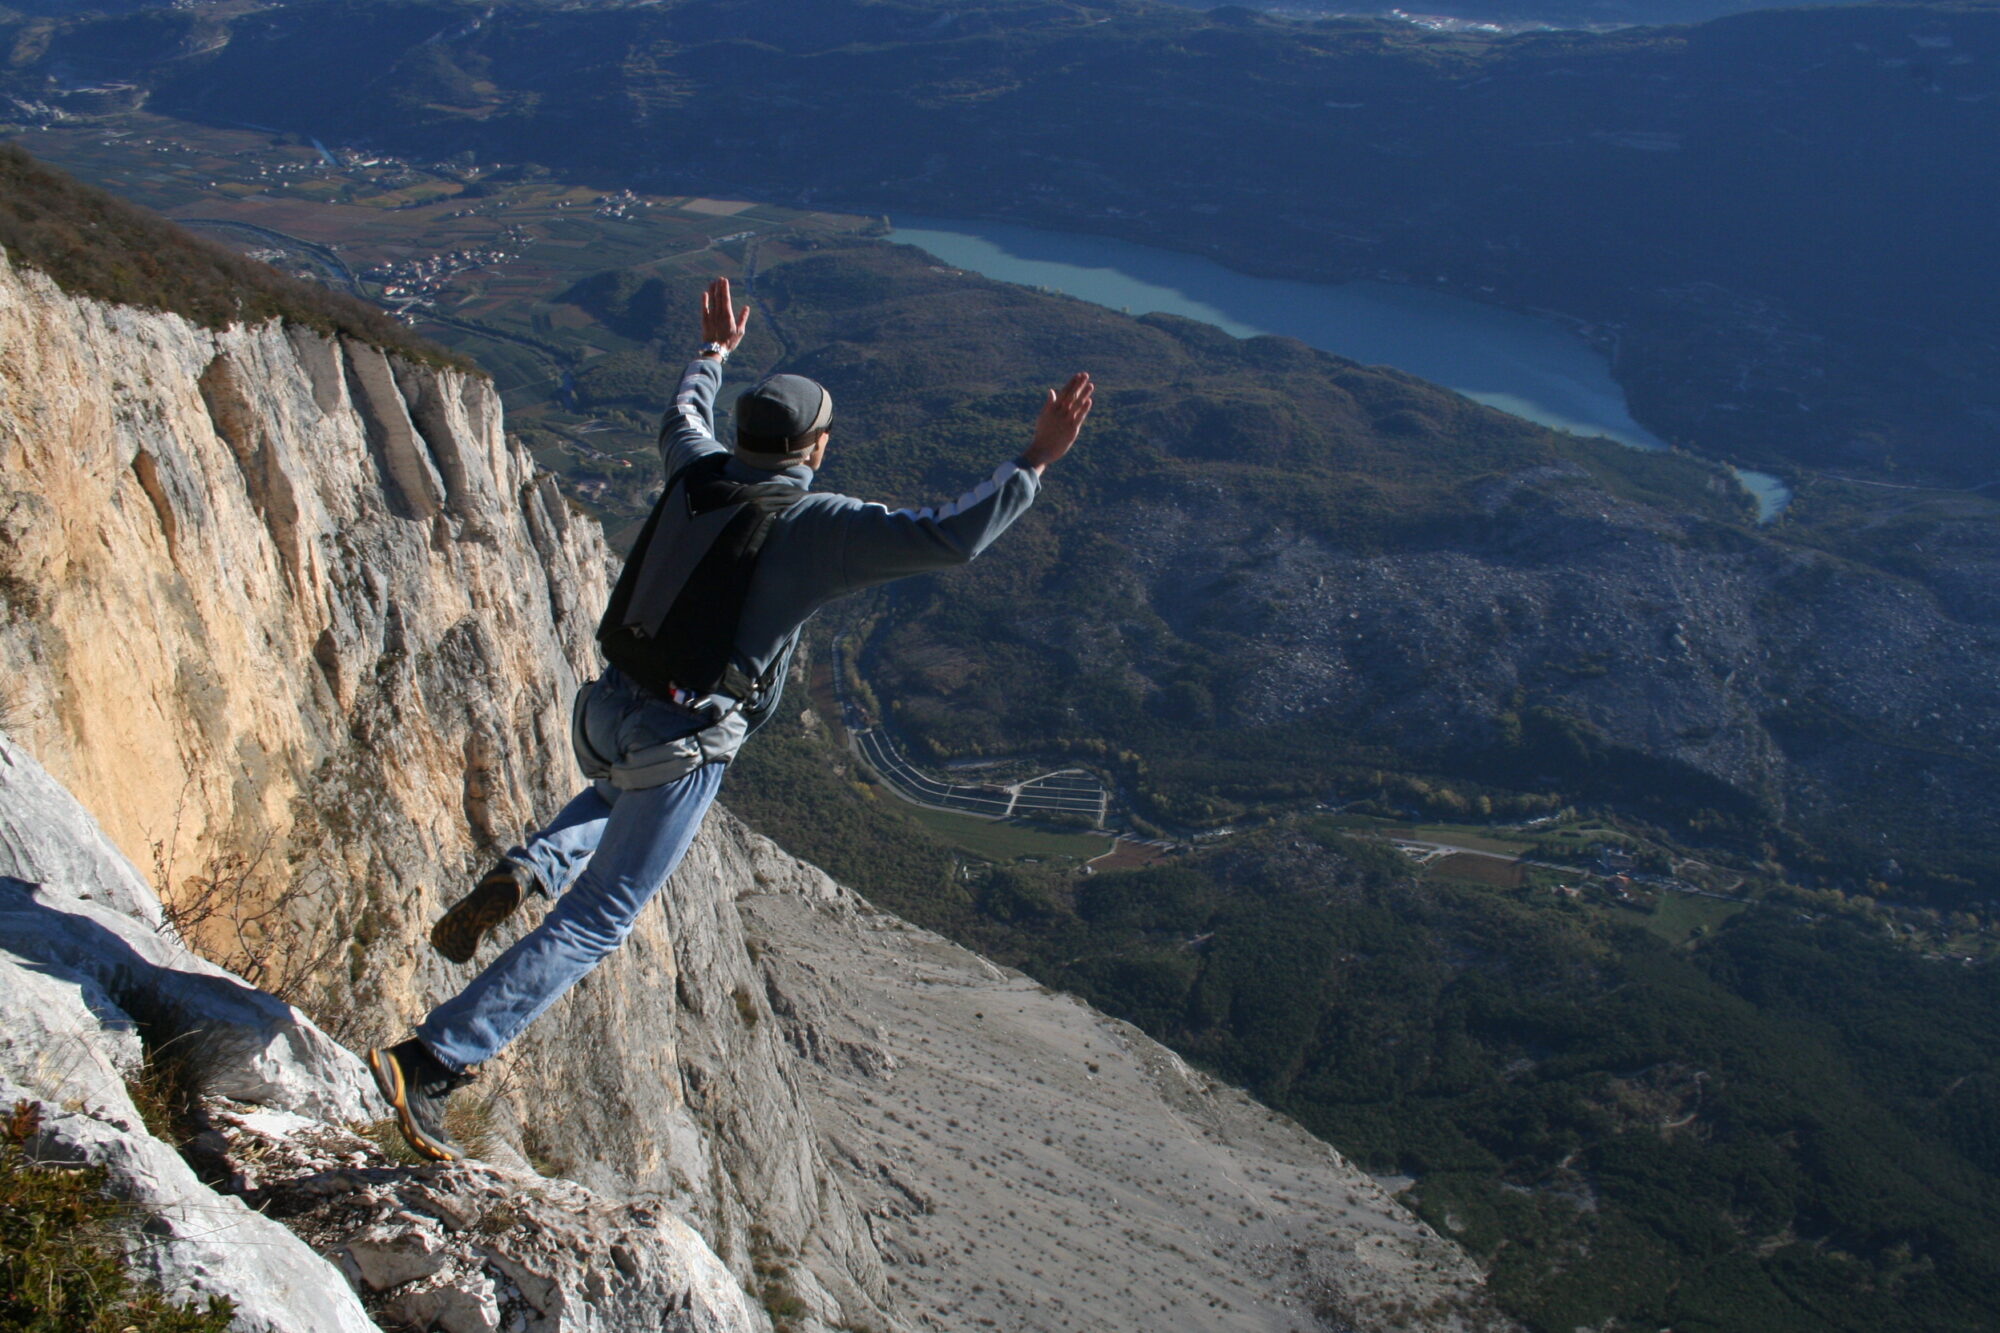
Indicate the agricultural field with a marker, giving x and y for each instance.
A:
(1579, 838)
(1004, 841)
(1480, 870)
(1478, 837)
(1680, 917)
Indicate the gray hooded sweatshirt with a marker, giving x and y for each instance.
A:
(827, 545)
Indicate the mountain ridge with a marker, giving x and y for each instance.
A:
(1357, 571)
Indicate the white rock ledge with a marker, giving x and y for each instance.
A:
(461, 1248)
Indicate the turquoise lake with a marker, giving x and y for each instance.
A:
(1531, 366)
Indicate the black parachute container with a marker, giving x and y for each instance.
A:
(673, 616)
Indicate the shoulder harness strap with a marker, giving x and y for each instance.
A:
(673, 617)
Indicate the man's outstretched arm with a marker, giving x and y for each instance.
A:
(689, 431)
(877, 544)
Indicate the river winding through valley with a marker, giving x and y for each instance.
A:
(1531, 366)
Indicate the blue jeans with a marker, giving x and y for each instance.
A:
(602, 860)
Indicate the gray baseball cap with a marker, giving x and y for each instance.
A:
(776, 420)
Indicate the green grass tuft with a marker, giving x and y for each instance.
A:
(62, 1263)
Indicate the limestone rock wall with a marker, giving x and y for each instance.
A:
(244, 611)
(268, 1197)
(301, 627)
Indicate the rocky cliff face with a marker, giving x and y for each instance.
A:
(269, 593)
(1029, 1163)
(1774, 671)
(300, 625)
(1748, 671)
(272, 1201)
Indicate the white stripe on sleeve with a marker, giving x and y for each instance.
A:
(985, 490)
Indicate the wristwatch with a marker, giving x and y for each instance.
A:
(720, 351)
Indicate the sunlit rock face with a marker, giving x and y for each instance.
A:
(253, 608)
(264, 1194)
(299, 624)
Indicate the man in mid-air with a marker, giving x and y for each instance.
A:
(739, 552)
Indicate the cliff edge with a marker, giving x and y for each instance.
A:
(102, 1009)
(300, 626)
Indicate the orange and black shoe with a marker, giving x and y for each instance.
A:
(416, 1083)
(493, 899)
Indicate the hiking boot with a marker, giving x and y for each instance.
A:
(415, 1082)
(492, 900)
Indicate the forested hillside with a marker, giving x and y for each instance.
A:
(1274, 576)
(1780, 1126)
(95, 245)
(1771, 1121)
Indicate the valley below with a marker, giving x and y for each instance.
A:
(1703, 192)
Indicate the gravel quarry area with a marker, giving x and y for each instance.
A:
(1031, 1164)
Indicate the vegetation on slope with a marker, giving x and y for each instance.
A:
(1783, 1126)
(62, 1261)
(1245, 513)
(98, 246)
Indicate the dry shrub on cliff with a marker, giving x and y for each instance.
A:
(275, 932)
(96, 245)
(165, 1089)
